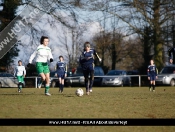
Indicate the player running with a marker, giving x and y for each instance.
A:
(152, 75)
(43, 54)
(61, 72)
(20, 73)
(87, 63)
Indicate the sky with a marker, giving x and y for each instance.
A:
(89, 23)
(57, 34)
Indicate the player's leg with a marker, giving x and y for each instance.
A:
(19, 83)
(47, 87)
(86, 75)
(91, 80)
(47, 76)
(40, 70)
(91, 69)
(153, 83)
(40, 81)
(62, 82)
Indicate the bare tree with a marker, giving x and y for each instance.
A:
(138, 14)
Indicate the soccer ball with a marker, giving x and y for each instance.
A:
(79, 92)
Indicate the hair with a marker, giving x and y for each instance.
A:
(61, 56)
(86, 44)
(42, 39)
(19, 61)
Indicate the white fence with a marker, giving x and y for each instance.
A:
(139, 78)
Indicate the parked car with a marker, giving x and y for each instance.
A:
(166, 76)
(116, 78)
(8, 80)
(134, 79)
(78, 78)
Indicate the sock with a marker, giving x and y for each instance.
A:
(62, 87)
(150, 85)
(91, 84)
(40, 82)
(20, 86)
(47, 88)
(153, 87)
(87, 84)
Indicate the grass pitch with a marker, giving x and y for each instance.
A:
(104, 102)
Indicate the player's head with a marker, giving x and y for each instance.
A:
(61, 57)
(19, 62)
(171, 60)
(86, 45)
(44, 40)
(151, 61)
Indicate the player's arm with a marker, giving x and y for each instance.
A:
(156, 71)
(148, 73)
(24, 71)
(50, 56)
(65, 69)
(81, 60)
(32, 56)
(95, 53)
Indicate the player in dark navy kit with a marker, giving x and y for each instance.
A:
(61, 72)
(152, 75)
(87, 63)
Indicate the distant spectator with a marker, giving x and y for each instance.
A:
(171, 61)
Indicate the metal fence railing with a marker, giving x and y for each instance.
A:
(136, 80)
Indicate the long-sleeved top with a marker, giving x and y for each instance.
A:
(42, 54)
(83, 57)
(19, 71)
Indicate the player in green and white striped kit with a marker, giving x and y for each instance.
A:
(20, 72)
(43, 54)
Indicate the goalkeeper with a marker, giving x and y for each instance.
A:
(43, 53)
(87, 63)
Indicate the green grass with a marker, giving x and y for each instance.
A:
(107, 102)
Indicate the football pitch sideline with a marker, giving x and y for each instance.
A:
(103, 102)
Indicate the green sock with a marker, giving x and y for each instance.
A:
(20, 87)
(47, 89)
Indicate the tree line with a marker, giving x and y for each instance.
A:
(132, 31)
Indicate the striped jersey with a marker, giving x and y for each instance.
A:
(42, 54)
(61, 67)
(152, 70)
(83, 57)
(19, 71)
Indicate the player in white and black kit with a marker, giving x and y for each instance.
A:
(20, 73)
(152, 75)
(61, 72)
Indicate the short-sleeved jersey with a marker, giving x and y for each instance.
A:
(152, 70)
(19, 71)
(83, 57)
(61, 67)
(42, 53)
